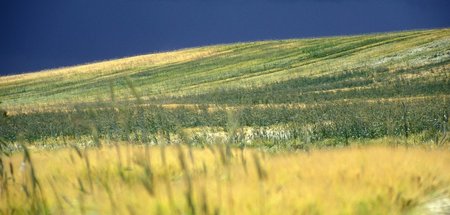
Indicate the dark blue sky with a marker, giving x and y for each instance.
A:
(52, 33)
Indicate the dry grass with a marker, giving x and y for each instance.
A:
(137, 180)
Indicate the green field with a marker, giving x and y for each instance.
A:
(380, 66)
(247, 128)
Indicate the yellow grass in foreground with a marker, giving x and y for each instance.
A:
(139, 180)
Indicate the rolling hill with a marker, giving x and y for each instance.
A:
(411, 64)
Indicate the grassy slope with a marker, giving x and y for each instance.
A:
(366, 66)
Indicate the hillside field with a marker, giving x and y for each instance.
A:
(335, 125)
